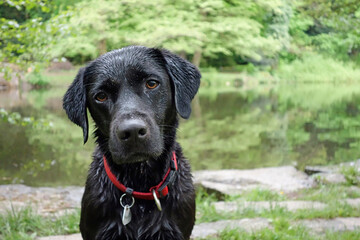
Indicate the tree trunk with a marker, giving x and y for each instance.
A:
(102, 46)
(197, 58)
(182, 54)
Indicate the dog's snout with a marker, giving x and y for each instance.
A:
(132, 130)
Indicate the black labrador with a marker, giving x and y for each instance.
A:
(139, 185)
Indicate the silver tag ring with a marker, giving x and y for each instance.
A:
(121, 198)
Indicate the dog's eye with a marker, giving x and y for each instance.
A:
(101, 97)
(151, 84)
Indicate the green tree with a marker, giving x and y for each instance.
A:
(94, 27)
(26, 34)
(190, 28)
(334, 27)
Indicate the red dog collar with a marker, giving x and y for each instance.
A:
(161, 189)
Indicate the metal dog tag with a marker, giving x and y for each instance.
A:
(126, 217)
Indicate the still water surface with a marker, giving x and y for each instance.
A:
(232, 126)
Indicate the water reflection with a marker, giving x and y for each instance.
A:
(232, 127)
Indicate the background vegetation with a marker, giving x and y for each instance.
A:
(211, 33)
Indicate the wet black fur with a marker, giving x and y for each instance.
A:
(101, 212)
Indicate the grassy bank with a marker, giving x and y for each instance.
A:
(25, 224)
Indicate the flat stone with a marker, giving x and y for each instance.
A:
(331, 168)
(329, 177)
(320, 226)
(62, 237)
(265, 205)
(355, 164)
(233, 182)
(7, 206)
(331, 174)
(204, 230)
(43, 200)
(354, 202)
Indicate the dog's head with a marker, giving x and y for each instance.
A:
(133, 95)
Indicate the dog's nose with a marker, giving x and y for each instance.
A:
(132, 130)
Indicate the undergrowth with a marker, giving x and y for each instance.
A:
(26, 224)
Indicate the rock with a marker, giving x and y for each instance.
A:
(355, 164)
(14, 191)
(329, 177)
(233, 182)
(337, 224)
(43, 200)
(204, 230)
(354, 202)
(331, 174)
(7, 206)
(265, 205)
(63, 237)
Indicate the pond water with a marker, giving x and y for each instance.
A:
(233, 125)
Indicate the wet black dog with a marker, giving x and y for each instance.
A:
(134, 95)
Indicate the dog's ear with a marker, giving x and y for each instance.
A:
(186, 79)
(74, 103)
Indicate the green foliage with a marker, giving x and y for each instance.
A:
(209, 27)
(204, 208)
(330, 26)
(315, 68)
(26, 224)
(259, 194)
(26, 42)
(217, 32)
(351, 174)
(328, 193)
(334, 209)
(38, 80)
(348, 235)
(290, 233)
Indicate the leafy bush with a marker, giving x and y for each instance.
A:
(351, 174)
(38, 80)
(315, 68)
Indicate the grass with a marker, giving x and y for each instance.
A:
(26, 224)
(331, 194)
(285, 232)
(281, 219)
(282, 230)
(328, 193)
(60, 78)
(259, 194)
(351, 174)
